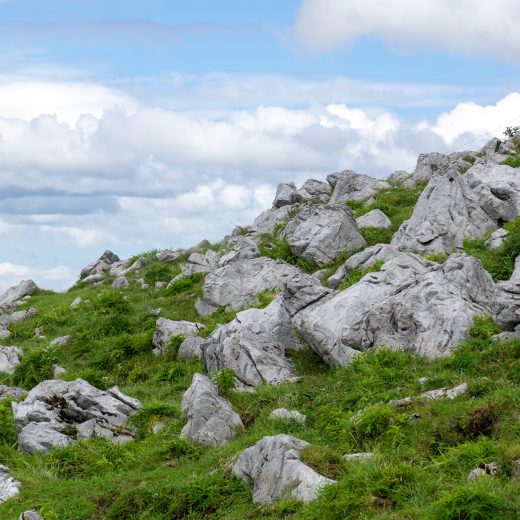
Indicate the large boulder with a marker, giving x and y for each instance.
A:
(411, 303)
(447, 212)
(243, 248)
(320, 233)
(167, 329)
(349, 185)
(374, 219)
(285, 194)
(275, 468)
(211, 420)
(99, 266)
(9, 359)
(314, 192)
(237, 284)
(17, 292)
(9, 487)
(56, 412)
(267, 220)
(253, 345)
(200, 263)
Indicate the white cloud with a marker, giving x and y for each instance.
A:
(477, 27)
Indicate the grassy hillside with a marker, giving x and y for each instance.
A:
(423, 452)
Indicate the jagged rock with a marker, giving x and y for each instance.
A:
(94, 278)
(410, 303)
(446, 213)
(31, 515)
(285, 194)
(445, 393)
(400, 176)
(200, 263)
(53, 407)
(141, 262)
(4, 332)
(366, 258)
(267, 220)
(236, 284)
(429, 164)
(61, 341)
(288, 415)
(320, 233)
(17, 292)
(211, 420)
(168, 256)
(497, 188)
(349, 185)
(253, 345)
(275, 467)
(8, 392)
(361, 457)
(313, 191)
(191, 348)
(76, 302)
(9, 359)
(302, 291)
(490, 469)
(99, 266)
(497, 146)
(18, 316)
(9, 487)
(120, 283)
(496, 239)
(375, 219)
(244, 248)
(118, 269)
(167, 329)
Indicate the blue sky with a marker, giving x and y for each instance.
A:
(135, 124)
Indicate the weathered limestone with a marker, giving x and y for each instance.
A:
(9, 487)
(9, 359)
(375, 219)
(167, 329)
(349, 185)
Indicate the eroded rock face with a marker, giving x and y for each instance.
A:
(236, 284)
(446, 213)
(9, 487)
(313, 191)
(266, 221)
(320, 233)
(349, 185)
(9, 359)
(200, 263)
(167, 329)
(99, 266)
(56, 412)
(253, 345)
(211, 420)
(17, 292)
(375, 219)
(301, 291)
(244, 248)
(274, 466)
(496, 239)
(410, 303)
(285, 194)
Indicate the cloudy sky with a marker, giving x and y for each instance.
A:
(139, 124)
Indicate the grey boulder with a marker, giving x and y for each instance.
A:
(61, 341)
(267, 220)
(349, 185)
(31, 515)
(375, 219)
(200, 263)
(191, 348)
(285, 194)
(120, 282)
(9, 487)
(17, 292)
(410, 303)
(54, 407)
(445, 393)
(17, 317)
(274, 466)
(211, 420)
(167, 329)
(168, 255)
(288, 415)
(10, 392)
(253, 345)
(321, 233)
(9, 359)
(496, 239)
(99, 266)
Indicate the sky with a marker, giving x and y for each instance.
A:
(132, 125)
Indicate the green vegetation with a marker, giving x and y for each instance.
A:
(513, 161)
(358, 273)
(396, 202)
(499, 262)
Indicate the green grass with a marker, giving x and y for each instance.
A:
(513, 161)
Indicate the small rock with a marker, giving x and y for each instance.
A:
(423, 380)
(57, 371)
(515, 470)
(491, 468)
(13, 392)
(76, 302)
(476, 473)
(168, 255)
(61, 341)
(24, 288)
(362, 456)
(31, 515)
(191, 348)
(4, 332)
(9, 359)
(38, 332)
(445, 393)
(154, 312)
(9, 487)
(120, 283)
(496, 239)
(159, 285)
(288, 415)
(167, 329)
(158, 427)
(374, 219)
(400, 403)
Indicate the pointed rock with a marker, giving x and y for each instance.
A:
(349, 185)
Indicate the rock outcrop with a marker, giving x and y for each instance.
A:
(16, 293)
(200, 263)
(253, 345)
(410, 303)
(274, 466)
(167, 329)
(349, 185)
(99, 266)
(211, 420)
(56, 412)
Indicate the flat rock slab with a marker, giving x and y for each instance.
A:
(274, 466)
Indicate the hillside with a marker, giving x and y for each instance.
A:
(386, 312)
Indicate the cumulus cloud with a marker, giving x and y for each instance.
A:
(476, 27)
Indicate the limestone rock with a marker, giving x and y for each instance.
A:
(236, 284)
(253, 345)
(410, 303)
(61, 341)
(288, 415)
(9, 487)
(10, 392)
(445, 393)
(200, 263)
(167, 329)
(313, 191)
(285, 194)
(244, 248)
(51, 408)
(349, 185)
(168, 256)
(506, 306)
(120, 283)
(375, 219)
(9, 359)
(321, 233)
(496, 239)
(274, 466)
(191, 348)
(31, 515)
(4, 332)
(76, 302)
(301, 291)
(99, 266)
(446, 213)
(141, 262)
(58, 371)
(429, 164)
(211, 420)
(266, 221)
(361, 457)
(18, 316)
(17, 292)
(94, 278)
